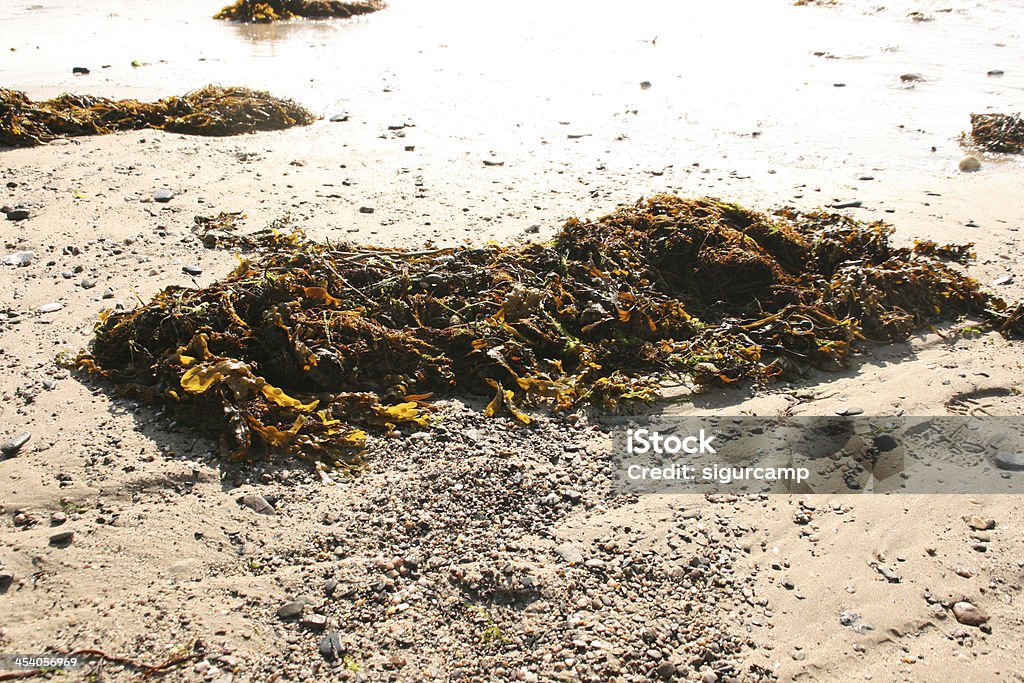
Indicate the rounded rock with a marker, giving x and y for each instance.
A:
(970, 164)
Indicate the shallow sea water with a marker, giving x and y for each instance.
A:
(737, 78)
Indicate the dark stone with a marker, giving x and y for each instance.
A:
(194, 271)
(330, 646)
(18, 214)
(14, 444)
(163, 195)
(1009, 461)
(366, 209)
(291, 610)
(885, 443)
(6, 579)
(79, 70)
(62, 538)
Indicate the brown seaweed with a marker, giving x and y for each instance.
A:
(212, 110)
(306, 346)
(998, 132)
(267, 11)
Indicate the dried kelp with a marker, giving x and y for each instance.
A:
(998, 132)
(212, 110)
(253, 11)
(306, 345)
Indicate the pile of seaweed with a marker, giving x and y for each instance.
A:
(307, 345)
(254, 11)
(212, 110)
(998, 132)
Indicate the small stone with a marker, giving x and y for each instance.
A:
(6, 579)
(850, 412)
(108, 293)
(88, 284)
(330, 646)
(58, 518)
(330, 586)
(970, 164)
(849, 618)
(569, 553)
(709, 677)
(979, 523)
(856, 203)
(62, 538)
(1009, 461)
(969, 615)
(644, 85)
(366, 209)
(291, 610)
(257, 503)
(666, 669)
(14, 444)
(194, 271)
(18, 214)
(314, 622)
(996, 72)
(339, 118)
(163, 195)
(911, 78)
(885, 443)
(80, 70)
(19, 258)
(888, 574)
(51, 308)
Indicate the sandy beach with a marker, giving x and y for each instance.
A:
(476, 550)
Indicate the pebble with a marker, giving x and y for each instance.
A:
(314, 622)
(569, 553)
(339, 118)
(709, 677)
(108, 293)
(1009, 461)
(849, 618)
(291, 610)
(82, 70)
(850, 411)
(257, 503)
(330, 646)
(19, 258)
(996, 72)
(979, 523)
(14, 444)
(969, 615)
(885, 443)
(890, 575)
(163, 195)
(366, 209)
(18, 214)
(194, 271)
(58, 518)
(970, 164)
(6, 579)
(51, 308)
(911, 78)
(848, 205)
(62, 538)
(88, 284)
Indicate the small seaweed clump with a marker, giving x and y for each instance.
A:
(253, 11)
(998, 132)
(307, 345)
(212, 110)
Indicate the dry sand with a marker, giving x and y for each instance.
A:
(444, 551)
